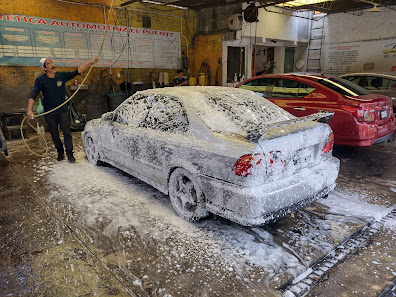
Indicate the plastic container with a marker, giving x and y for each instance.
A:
(96, 105)
(115, 99)
(202, 79)
(192, 81)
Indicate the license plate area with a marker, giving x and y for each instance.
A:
(303, 157)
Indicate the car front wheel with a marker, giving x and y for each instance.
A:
(91, 150)
(186, 196)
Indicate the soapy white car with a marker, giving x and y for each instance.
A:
(218, 150)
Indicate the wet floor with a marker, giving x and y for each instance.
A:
(83, 230)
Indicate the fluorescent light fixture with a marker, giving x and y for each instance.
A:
(164, 4)
(295, 3)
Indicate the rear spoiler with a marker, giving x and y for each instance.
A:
(321, 117)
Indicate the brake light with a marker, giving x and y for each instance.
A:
(361, 114)
(329, 143)
(244, 164)
(247, 163)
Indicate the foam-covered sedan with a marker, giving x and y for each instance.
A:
(220, 150)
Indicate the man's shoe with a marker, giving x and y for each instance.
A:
(71, 159)
(60, 157)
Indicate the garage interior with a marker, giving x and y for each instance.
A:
(48, 251)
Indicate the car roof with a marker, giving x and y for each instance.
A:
(306, 75)
(380, 74)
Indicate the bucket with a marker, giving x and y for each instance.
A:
(192, 81)
(202, 79)
(115, 99)
(96, 105)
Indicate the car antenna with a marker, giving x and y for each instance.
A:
(327, 71)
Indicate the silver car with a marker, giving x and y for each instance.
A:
(383, 83)
(220, 150)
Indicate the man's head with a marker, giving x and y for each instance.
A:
(180, 73)
(47, 64)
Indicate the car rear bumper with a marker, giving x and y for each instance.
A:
(367, 134)
(257, 205)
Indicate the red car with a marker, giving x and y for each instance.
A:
(360, 117)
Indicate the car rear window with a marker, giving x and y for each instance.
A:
(344, 86)
(238, 112)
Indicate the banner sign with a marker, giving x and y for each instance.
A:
(24, 40)
(377, 55)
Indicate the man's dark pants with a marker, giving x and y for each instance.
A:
(61, 119)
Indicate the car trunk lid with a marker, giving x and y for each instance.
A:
(372, 108)
(288, 147)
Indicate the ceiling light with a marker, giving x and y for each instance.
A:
(374, 9)
(302, 2)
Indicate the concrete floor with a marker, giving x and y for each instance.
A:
(44, 252)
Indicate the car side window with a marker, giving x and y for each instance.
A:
(132, 111)
(257, 85)
(375, 83)
(304, 90)
(288, 88)
(392, 84)
(356, 80)
(166, 114)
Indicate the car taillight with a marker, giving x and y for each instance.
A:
(247, 164)
(244, 164)
(329, 143)
(361, 114)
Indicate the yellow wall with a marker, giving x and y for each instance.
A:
(17, 82)
(208, 49)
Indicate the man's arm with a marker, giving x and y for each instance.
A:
(30, 108)
(184, 83)
(85, 67)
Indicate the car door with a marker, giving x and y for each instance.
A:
(162, 137)
(125, 133)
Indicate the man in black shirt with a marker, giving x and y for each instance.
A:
(180, 80)
(52, 85)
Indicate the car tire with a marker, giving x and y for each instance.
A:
(186, 196)
(91, 150)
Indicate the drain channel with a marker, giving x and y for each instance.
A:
(301, 284)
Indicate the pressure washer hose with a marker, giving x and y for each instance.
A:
(47, 112)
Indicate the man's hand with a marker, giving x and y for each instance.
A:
(94, 60)
(30, 114)
(85, 67)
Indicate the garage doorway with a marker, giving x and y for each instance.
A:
(235, 62)
(289, 59)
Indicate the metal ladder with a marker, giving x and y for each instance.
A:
(315, 43)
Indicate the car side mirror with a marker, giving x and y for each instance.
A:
(107, 117)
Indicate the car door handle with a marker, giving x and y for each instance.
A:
(299, 108)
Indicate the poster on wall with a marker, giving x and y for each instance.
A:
(377, 55)
(26, 39)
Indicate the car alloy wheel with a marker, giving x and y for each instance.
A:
(186, 196)
(90, 150)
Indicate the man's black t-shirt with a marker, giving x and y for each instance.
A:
(53, 89)
(178, 81)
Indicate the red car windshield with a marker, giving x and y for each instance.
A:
(344, 86)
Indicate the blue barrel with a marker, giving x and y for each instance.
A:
(115, 99)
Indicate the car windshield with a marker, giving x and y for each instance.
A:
(344, 86)
(237, 111)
